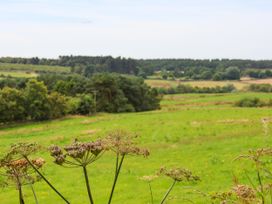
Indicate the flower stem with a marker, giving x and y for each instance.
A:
(261, 186)
(21, 199)
(34, 194)
(151, 193)
(42, 176)
(168, 192)
(117, 172)
(88, 184)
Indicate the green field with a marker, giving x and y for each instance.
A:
(23, 69)
(201, 132)
(240, 85)
(18, 74)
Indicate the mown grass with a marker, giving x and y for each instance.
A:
(33, 68)
(198, 131)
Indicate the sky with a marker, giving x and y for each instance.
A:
(202, 29)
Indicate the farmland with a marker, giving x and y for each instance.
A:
(201, 132)
(28, 70)
(239, 85)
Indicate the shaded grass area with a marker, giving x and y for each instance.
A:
(197, 131)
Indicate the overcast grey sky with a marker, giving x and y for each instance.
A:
(137, 28)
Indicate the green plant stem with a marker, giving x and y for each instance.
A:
(261, 185)
(88, 184)
(34, 194)
(118, 169)
(151, 193)
(168, 192)
(270, 191)
(42, 176)
(19, 186)
(21, 194)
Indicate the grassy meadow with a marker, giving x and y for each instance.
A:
(239, 85)
(27, 70)
(201, 132)
(18, 74)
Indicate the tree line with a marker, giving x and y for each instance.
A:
(184, 89)
(214, 69)
(53, 96)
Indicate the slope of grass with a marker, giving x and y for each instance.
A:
(201, 132)
(19, 74)
(33, 68)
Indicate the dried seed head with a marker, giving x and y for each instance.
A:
(39, 162)
(24, 149)
(122, 142)
(81, 153)
(179, 174)
(222, 197)
(18, 165)
(256, 155)
(60, 159)
(19, 171)
(149, 178)
(75, 150)
(55, 150)
(245, 193)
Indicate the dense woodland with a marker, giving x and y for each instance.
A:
(215, 69)
(53, 96)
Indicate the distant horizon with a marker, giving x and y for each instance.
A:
(159, 58)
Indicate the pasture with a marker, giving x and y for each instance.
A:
(201, 132)
(18, 74)
(15, 69)
(239, 85)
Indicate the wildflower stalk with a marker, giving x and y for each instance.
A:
(19, 186)
(21, 198)
(88, 184)
(261, 186)
(168, 192)
(42, 176)
(117, 172)
(21, 195)
(34, 194)
(149, 179)
(270, 193)
(151, 193)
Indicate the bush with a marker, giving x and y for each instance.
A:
(86, 105)
(31, 103)
(182, 89)
(250, 102)
(260, 88)
(58, 105)
(12, 105)
(232, 73)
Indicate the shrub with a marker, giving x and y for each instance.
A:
(260, 88)
(250, 102)
(86, 104)
(182, 89)
(12, 105)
